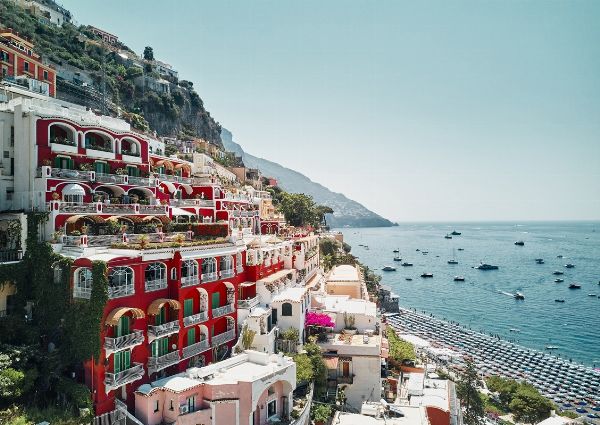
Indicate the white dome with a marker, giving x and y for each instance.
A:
(73, 189)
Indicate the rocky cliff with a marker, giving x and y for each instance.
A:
(346, 211)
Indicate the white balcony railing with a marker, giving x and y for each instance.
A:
(113, 381)
(239, 269)
(155, 285)
(111, 178)
(63, 173)
(227, 273)
(158, 331)
(159, 363)
(84, 293)
(248, 303)
(222, 311)
(209, 277)
(190, 280)
(119, 291)
(112, 345)
(194, 319)
(141, 181)
(197, 348)
(222, 338)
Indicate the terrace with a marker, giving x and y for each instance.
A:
(113, 381)
(159, 363)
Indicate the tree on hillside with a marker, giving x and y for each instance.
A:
(328, 246)
(298, 209)
(470, 398)
(321, 210)
(529, 406)
(148, 53)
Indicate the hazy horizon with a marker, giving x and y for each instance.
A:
(422, 111)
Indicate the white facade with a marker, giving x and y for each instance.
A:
(337, 306)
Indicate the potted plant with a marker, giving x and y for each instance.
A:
(349, 322)
(179, 239)
(55, 196)
(321, 413)
(144, 241)
(84, 229)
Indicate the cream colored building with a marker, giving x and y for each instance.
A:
(346, 280)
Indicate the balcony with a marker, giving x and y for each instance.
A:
(194, 319)
(159, 331)
(189, 280)
(63, 173)
(112, 381)
(85, 293)
(345, 379)
(156, 364)
(11, 255)
(208, 203)
(112, 345)
(155, 285)
(197, 348)
(227, 273)
(248, 303)
(209, 277)
(72, 207)
(141, 181)
(153, 209)
(118, 291)
(222, 311)
(223, 338)
(111, 178)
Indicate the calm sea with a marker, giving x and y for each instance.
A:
(483, 302)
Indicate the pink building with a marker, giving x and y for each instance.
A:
(251, 388)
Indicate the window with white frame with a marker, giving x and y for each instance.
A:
(83, 283)
(226, 263)
(120, 282)
(271, 408)
(156, 276)
(209, 265)
(189, 272)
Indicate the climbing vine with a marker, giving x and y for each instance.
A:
(85, 317)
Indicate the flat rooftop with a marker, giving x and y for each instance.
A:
(290, 294)
(412, 416)
(345, 304)
(344, 273)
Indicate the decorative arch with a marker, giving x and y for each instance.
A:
(113, 317)
(286, 309)
(116, 190)
(156, 305)
(87, 186)
(98, 138)
(130, 146)
(62, 133)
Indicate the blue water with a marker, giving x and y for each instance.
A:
(481, 301)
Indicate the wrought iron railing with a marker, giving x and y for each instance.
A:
(110, 178)
(159, 363)
(222, 338)
(116, 380)
(112, 345)
(85, 293)
(197, 348)
(156, 284)
(190, 280)
(227, 273)
(158, 331)
(9, 255)
(121, 290)
(222, 311)
(64, 173)
(209, 277)
(194, 319)
(248, 303)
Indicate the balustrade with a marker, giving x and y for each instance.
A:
(222, 338)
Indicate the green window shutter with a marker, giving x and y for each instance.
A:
(57, 163)
(98, 167)
(126, 360)
(154, 348)
(161, 316)
(117, 361)
(188, 307)
(71, 164)
(191, 336)
(164, 349)
(216, 298)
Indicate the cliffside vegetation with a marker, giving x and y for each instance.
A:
(178, 112)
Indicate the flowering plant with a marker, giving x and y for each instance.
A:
(318, 319)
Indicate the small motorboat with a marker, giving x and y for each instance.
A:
(447, 237)
(551, 347)
(397, 258)
(427, 275)
(455, 233)
(591, 295)
(459, 278)
(409, 278)
(452, 262)
(389, 269)
(519, 243)
(559, 280)
(569, 265)
(417, 249)
(405, 264)
(539, 260)
(557, 273)
(424, 252)
(559, 300)
(514, 330)
(396, 251)
(484, 266)
(519, 296)
(574, 286)
(559, 256)
(461, 249)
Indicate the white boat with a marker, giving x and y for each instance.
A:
(484, 266)
(459, 278)
(519, 296)
(389, 269)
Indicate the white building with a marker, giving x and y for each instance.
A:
(341, 307)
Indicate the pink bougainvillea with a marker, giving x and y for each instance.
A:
(318, 319)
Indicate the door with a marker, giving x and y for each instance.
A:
(161, 316)
(188, 307)
(191, 336)
(122, 361)
(123, 326)
(216, 300)
(345, 369)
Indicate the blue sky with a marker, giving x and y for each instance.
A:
(424, 110)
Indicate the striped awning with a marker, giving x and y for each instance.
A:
(331, 362)
(156, 305)
(162, 218)
(95, 218)
(113, 317)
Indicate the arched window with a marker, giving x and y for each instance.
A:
(62, 134)
(83, 283)
(156, 276)
(286, 309)
(209, 269)
(120, 282)
(226, 265)
(189, 272)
